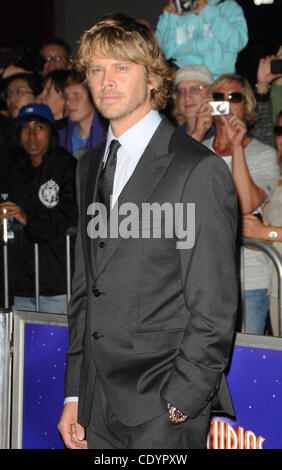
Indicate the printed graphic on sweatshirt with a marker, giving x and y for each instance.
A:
(49, 194)
(186, 32)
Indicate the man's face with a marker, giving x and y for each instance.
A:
(119, 89)
(190, 94)
(56, 58)
(78, 104)
(35, 138)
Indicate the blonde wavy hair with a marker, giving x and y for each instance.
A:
(251, 115)
(125, 38)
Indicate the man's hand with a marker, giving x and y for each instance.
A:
(200, 4)
(9, 209)
(203, 120)
(71, 432)
(170, 7)
(264, 75)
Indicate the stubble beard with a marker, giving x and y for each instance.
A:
(126, 109)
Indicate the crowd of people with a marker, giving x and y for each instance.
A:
(48, 121)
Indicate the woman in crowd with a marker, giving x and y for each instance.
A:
(53, 95)
(255, 173)
(18, 90)
(21, 89)
(41, 200)
(213, 33)
(270, 230)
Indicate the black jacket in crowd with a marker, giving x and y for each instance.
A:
(47, 196)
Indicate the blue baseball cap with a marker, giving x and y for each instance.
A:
(37, 109)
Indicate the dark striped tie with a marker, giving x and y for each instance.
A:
(106, 180)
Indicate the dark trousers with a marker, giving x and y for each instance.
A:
(105, 431)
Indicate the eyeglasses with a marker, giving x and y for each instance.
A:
(193, 90)
(278, 130)
(232, 96)
(55, 58)
(18, 93)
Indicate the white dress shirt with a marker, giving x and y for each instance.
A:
(133, 144)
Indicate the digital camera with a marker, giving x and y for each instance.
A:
(184, 5)
(276, 66)
(220, 108)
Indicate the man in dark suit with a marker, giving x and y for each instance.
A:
(151, 318)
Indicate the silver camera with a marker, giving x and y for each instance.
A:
(220, 108)
(184, 5)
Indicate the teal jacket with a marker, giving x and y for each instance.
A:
(214, 37)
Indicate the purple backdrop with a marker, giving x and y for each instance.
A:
(254, 379)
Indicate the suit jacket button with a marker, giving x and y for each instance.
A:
(101, 244)
(96, 292)
(96, 335)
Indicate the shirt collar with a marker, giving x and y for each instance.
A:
(137, 137)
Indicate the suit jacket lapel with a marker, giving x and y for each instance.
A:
(147, 174)
(92, 176)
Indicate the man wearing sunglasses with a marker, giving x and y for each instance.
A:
(255, 173)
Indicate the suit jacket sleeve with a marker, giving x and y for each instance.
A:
(77, 310)
(209, 278)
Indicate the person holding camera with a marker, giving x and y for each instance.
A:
(209, 32)
(276, 86)
(263, 129)
(255, 172)
(191, 87)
